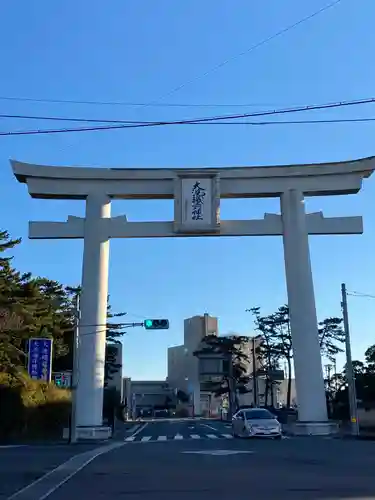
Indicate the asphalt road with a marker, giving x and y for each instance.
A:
(209, 468)
(21, 465)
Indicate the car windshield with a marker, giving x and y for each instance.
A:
(258, 415)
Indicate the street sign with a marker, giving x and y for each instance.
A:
(40, 359)
(272, 374)
(63, 379)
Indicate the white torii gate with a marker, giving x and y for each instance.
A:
(197, 194)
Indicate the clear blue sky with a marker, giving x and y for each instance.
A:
(138, 51)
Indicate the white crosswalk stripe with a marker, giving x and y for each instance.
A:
(176, 437)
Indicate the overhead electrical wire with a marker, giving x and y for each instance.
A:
(204, 120)
(269, 122)
(361, 295)
(134, 104)
(155, 103)
(247, 51)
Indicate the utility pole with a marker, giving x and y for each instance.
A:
(255, 379)
(231, 387)
(75, 373)
(349, 366)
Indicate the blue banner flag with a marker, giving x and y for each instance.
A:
(40, 359)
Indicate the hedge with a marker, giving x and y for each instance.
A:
(31, 409)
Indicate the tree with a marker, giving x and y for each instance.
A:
(331, 336)
(276, 346)
(30, 307)
(235, 375)
(277, 340)
(114, 331)
(365, 386)
(182, 396)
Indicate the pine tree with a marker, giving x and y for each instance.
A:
(13, 295)
(235, 377)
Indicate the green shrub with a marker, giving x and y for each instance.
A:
(31, 409)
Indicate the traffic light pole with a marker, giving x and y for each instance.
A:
(75, 375)
(255, 375)
(156, 324)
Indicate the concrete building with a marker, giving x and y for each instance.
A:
(194, 376)
(183, 366)
(282, 392)
(143, 395)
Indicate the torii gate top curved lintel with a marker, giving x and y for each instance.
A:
(154, 183)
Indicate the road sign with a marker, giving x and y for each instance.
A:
(156, 324)
(40, 359)
(272, 374)
(63, 379)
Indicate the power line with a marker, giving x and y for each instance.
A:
(361, 295)
(69, 119)
(134, 104)
(203, 120)
(155, 103)
(292, 122)
(133, 122)
(248, 50)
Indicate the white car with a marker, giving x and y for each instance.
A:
(256, 422)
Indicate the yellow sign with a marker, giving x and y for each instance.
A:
(354, 420)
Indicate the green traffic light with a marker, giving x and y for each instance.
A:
(156, 324)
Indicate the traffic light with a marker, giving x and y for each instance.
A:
(156, 324)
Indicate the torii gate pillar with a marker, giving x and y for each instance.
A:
(93, 309)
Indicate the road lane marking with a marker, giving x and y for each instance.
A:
(145, 438)
(133, 429)
(162, 438)
(43, 487)
(178, 436)
(228, 436)
(212, 436)
(211, 427)
(195, 436)
(135, 433)
(10, 446)
(218, 453)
